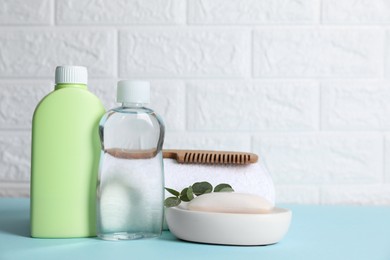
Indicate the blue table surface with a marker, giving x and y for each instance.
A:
(316, 232)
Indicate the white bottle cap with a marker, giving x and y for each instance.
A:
(133, 91)
(71, 74)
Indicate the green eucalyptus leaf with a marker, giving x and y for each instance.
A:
(227, 189)
(183, 195)
(173, 192)
(200, 188)
(197, 189)
(190, 193)
(172, 202)
(223, 187)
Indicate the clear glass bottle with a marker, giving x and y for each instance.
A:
(130, 189)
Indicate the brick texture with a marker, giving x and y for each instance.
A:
(356, 12)
(20, 12)
(251, 11)
(318, 52)
(18, 100)
(120, 12)
(15, 156)
(252, 105)
(303, 83)
(323, 158)
(356, 105)
(184, 53)
(36, 52)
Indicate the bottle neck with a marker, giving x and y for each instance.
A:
(133, 105)
(70, 85)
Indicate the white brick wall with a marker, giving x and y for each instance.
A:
(20, 12)
(251, 11)
(356, 105)
(303, 83)
(323, 158)
(15, 156)
(120, 12)
(238, 105)
(356, 12)
(318, 52)
(184, 52)
(34, 52)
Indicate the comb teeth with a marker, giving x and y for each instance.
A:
(210, 157)
(214, 158)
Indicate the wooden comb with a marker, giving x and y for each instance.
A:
(210, 157)
(188, 156)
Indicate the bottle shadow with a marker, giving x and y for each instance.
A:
(16, 222)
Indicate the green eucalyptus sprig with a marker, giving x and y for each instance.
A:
(196, 189)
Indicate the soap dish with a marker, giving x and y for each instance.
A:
(228, 228)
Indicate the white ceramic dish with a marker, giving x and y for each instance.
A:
(228, 228)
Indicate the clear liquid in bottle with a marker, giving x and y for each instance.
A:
(130, 189)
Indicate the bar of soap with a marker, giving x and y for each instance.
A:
(230, 202)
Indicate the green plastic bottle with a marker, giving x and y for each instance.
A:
(65, 158)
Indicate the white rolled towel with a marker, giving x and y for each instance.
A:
(251, 178)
